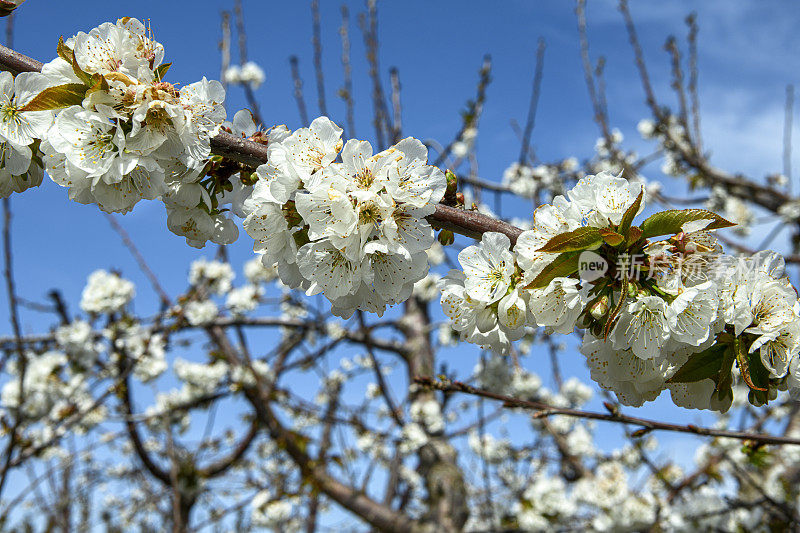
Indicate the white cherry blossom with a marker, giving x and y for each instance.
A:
(18, 126)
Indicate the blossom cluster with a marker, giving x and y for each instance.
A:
(673, 314)
(21, 165)
(249, 74)
(353, 230)
(103, 122)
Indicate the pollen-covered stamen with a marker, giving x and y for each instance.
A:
(97, 146)
(369, 214)
(146, 47)
(364, 178)
(10, 113)
(165, 87)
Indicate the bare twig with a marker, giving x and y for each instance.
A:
(140, 260)
(382, 385)
(298, 90)
(397, 109)
(379, 516)
(221, 466)
(380, 113)
(225, 47)
(691, 21)
(346, 92)
(252, 102)
(737, 185)
(545, 410)
(22, 363)
(324, 447)
(474, 108)
(317, 44)
(787, 135)
(671, 47)
(599, 115)
(534, 104)
(639, 57)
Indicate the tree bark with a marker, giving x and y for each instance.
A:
(447, 494)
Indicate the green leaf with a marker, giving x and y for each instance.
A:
(752, 369)
(99, 83)
(623, 297)
(724, 379)
(630, 214)
(634, 234)
(700, 366)
(63, 51)
(161, 70)
(670, 222)
(564, 265)
(83, 76)
(611, 237)
(574, 241)
(57, 97)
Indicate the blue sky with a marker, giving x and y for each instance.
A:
(748, 53)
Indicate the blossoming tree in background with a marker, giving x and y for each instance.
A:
(651, 297)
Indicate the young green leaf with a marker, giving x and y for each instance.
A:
(57, 97)
(612, 318)
(63, 51)
(611, 237)
(700, 366)
(752, 369)
(671, 221)
(83, 76)
(99, 83)
(586, 238)
(161, 71)
(724, 379)
(564, 265)
(634, 234)
(630, 214)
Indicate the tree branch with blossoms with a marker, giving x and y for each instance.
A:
(658, 304)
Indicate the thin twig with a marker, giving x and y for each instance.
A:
(639, 58)
(140, 260)
(787, 136)
(298, 90)
(397, 108)
(346, 92)
(324, 446)
(252, 102)
(474, 108)
(382, 385)
(588, 72)
(534, 104)
(23, 362)
(380, 114)
(671, 48)
(545, 410)
(691, 21)
(317, 44)
(225, 47)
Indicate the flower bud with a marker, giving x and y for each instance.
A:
(446, 237)
(600, 308)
